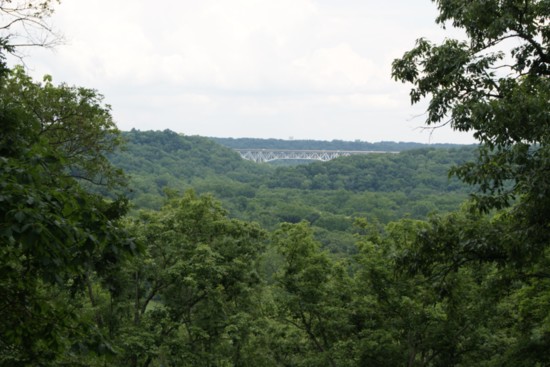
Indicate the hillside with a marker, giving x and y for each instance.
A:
(330, 195)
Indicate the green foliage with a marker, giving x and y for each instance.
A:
(313, 296)
(507, 111)
(158, 160)
(188, 300)
(485, 252)
(52, 231)
(499, 91)
(329, 195)
(377, 172)
(73, 120)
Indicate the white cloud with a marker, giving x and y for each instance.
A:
(245, 67)
(335, 69)
(364, 100)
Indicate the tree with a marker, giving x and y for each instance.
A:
(54, 234)
(502, 97)
(73, 120)
(188, 300)
(312, 296)
(496, 84)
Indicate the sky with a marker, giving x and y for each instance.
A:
(285, 69)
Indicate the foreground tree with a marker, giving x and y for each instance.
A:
(54, 234)
(312, 293)
(189, 300)
(73, 121)
(499, 96)
(496, 84)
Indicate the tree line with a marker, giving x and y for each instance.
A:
(301, 144)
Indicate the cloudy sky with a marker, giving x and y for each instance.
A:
(302, 69)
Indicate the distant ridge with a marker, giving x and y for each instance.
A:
(256, 143)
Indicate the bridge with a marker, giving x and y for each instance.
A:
(268, 155)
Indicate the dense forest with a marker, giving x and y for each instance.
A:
(418, 178)
(160, 249)
(330, 196)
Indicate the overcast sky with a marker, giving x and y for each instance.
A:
(302, 69)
